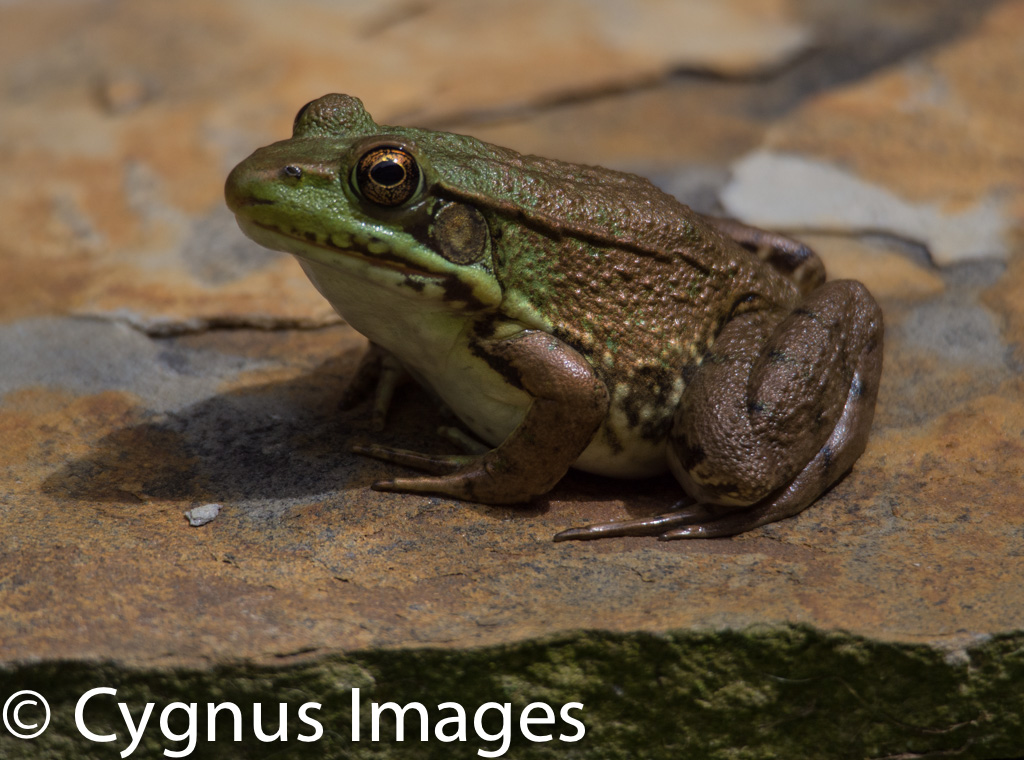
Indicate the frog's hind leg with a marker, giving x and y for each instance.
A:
(795, 261)
(655, 525)
(832, 460)
(779, 410)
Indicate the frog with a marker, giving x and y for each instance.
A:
(571, 316)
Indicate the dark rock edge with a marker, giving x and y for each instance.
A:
(766, 692)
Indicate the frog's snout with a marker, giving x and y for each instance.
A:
(247, 186)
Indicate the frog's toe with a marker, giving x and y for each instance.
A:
(378, 373)
(463, 440)
(719, 528)
(692, 521)
(439, 464)
(656, 525)
(406, 485)
(367, 377)
(471, 483)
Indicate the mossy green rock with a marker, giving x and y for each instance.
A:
(764, 693)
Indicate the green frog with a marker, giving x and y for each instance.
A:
(572, 316)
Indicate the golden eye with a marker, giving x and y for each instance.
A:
(387, 176)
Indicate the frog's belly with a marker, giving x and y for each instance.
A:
(431, 341)
(480, 397)
(492, 409)
(629, 457)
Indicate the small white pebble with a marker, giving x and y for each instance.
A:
(201, 515)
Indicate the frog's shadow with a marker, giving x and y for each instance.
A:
(289, 440)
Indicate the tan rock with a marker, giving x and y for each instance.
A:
(301, 537)
(1007, 298)
(118, 122)
(785, 191)
(931, 150)
(940, 128)
(887, 271)
(128, 142)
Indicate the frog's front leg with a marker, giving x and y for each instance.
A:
(380, 372)
(568, 405)
(778, 411)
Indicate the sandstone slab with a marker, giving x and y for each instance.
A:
(929, 151)
(818, 196)
(152, 363)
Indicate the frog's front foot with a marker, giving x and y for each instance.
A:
(567, 406)
(378, 372)
(439, 464)
(491, 478)
(455, 475)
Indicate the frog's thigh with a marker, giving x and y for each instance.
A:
(781, 408)
(568, 404)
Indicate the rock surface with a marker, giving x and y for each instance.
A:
(152, 361)
(930, 151)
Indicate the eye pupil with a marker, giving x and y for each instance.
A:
(387, 176)
(387, 173)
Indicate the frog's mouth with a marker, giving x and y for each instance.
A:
(374, 262)
(325, 249)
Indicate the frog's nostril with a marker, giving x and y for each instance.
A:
(292, 172)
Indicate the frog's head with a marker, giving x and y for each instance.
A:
(349, 195)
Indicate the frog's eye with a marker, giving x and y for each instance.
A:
(387, 176)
